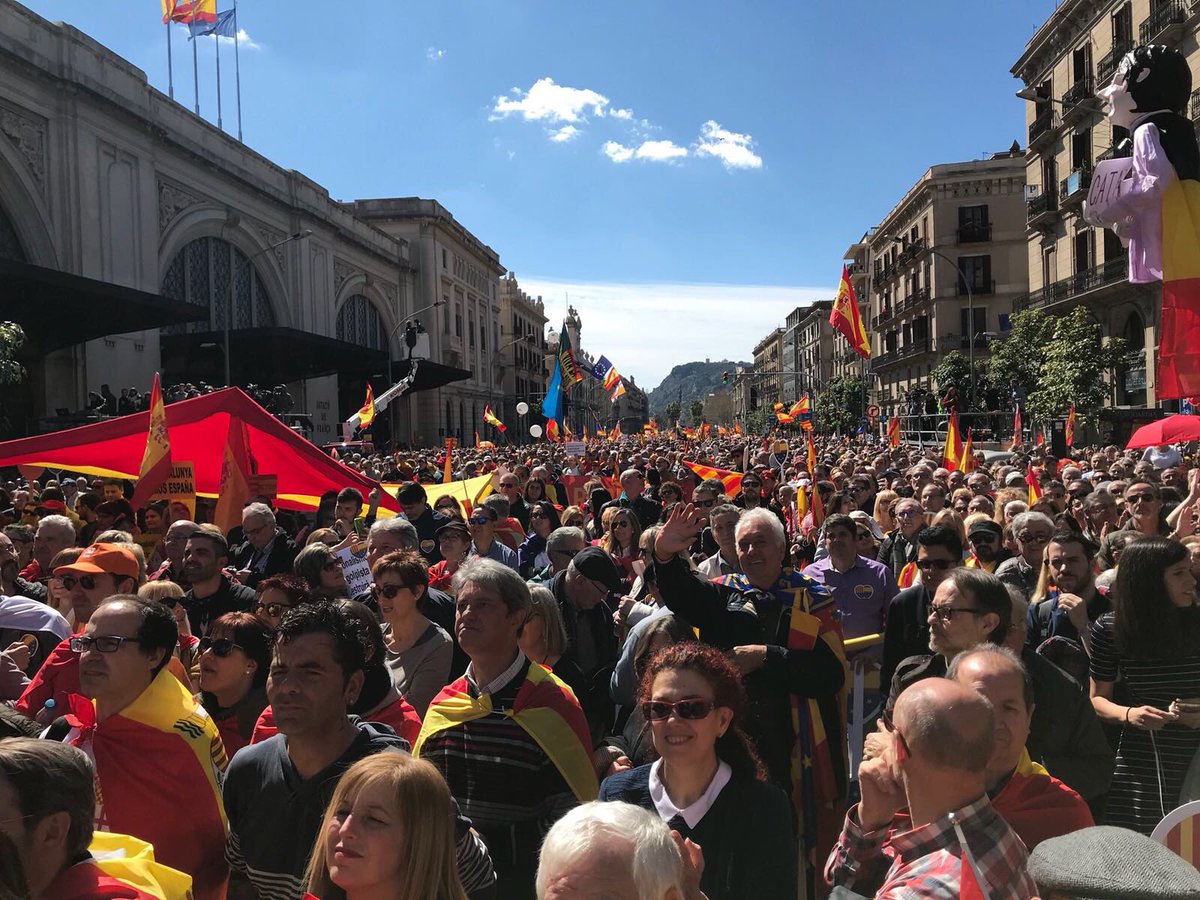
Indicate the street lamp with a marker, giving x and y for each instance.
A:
(229, 299)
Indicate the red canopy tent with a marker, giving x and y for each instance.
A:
(198, 430)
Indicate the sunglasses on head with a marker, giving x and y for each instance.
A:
(87, 582)
(388, 591)
(221, 647)
(274, 610)
(692, 708)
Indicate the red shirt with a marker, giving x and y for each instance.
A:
(1039, 806)
(439, 578)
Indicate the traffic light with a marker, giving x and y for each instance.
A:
(725, 377)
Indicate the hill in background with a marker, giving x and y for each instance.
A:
(691, 381)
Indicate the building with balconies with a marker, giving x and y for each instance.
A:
(768, 368)
(1072, 56)
(945, 265)
(814, 347)
(522, 354)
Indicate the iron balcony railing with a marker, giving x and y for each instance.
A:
(1043, 126)
(1165, 15)
(1111, 272)
(1108, 62)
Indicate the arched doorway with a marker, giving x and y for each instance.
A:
(213, 273)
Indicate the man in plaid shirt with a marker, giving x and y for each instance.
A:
(948, 842)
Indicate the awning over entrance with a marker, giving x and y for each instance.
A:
(266, 356)
(58, 309)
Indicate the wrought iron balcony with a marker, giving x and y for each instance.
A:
(912, 249)
(1108, 63)
(913, 300)
(979, 287)
(857, 269)
(1043, 127)
(1043, 208)
(1165, 24)
(884, 315)
(1195, 105)
(974, 232)
(1112, 272)
(961, 342)
(1074, 188)
(1078, 99)
(898, 354)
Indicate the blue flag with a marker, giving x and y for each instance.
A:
(601, 368)
(225, 25)
(552, 405)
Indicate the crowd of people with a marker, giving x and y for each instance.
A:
(659, 669)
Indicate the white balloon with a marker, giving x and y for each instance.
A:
(535, 430)
(522, 408)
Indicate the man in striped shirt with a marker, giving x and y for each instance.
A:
(951, 843)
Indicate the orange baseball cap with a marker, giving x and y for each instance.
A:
(99, 559)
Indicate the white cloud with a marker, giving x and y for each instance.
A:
(564, 134)
(244, 41)
(655, 151)
(622, 113)
(732, 149)
(551, 103)
(607, 308)
(433, 54)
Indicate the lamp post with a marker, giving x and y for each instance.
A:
(229, 300)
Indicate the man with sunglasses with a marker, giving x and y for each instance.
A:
(212, 593)
(510, 489)
(899, 548)
(1143, 505)
(101, 571)
(986, 539)
(482, 525)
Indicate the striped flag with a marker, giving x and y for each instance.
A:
(846, 317)
(953, 451)
(1035, 487)
(236, 469)
(812, 455)
(189, 11)
(566, 359)
(1178, 371)
(156, 460)
(893, 431)
(967, 462)
(551, 430)
(731, 480)
(1016, 427)
(366, 414)
(491, 418)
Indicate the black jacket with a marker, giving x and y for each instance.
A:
(896, 551)
(643, 507)
(279, 560)
(229, 597)
(1065, 735)
(592, 692)
(906, 632)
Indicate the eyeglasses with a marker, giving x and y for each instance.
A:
(1027, 538)
(388, 591)
(946, 613)
(221, 647)
(940, 564)
(538, 515)
(170, 602)
(105, 643)
(1143, 497)
(751, 484)
(692, 708)
(704, 504)
(908, 513)
(87, 582)
(509, 487)
(274, 610)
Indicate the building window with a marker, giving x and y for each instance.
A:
(457, 321)
(471, 330)
(969, 324)
(978, 273)
(445, 314)
(444, 258)
(211, 273)
(359, 323)
(973, 224)
(1085, 249)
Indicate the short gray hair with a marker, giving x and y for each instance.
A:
(560, 537)
(724, 509)
(400, 526)
(765, 517)
(653, 857)
(498, 503)
(62, 523)
(261, 510)
(1025, 519)
(496, 577)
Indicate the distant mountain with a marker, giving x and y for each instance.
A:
(691, 381)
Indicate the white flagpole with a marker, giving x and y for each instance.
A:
(238, 68)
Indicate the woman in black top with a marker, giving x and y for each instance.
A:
(708, 783)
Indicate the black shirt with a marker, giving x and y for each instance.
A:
(229, 597)
(427, 525)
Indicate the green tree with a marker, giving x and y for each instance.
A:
(671, 413)
(759, 421)
(12, 337)
(840, 406)
(955, 369)
(1016, 359)
(696, 407)
(1074, 363)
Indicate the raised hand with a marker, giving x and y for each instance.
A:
(678, 532)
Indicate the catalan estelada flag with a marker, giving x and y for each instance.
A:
(1035, 487)
(156, 461)
(158, 757)
(953, 451)
(366, 413)
(491, 418)
(893, 431)
(544, 707)
(1069, 427)
(846, 318)
(1179, 329)
(731, 480)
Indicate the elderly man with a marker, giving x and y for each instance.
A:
(174, 545)
(54, 533)
(900, 547)
(562, 545)
(1032, 532)
(510, 489)
(925, 826)
(157, 751)
(1143, 502)
(513, 796)
(267, 550)
(781, 630)
(1035, 804)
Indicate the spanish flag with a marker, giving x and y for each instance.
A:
(551, 430)
(953, 451)
(366, 414)
(731, 480)
(189, 11)
(491, 418)
(801, 505)
(1069, 428)
(967, 461)
(236, 468)
(846, 318)
(156, 461)
(1016, 427)
(615, 433)
(1035, 487)
(802, 410)
(812, 455)
(737, 428)
(893, 431)
(544, 707)
(705, 431)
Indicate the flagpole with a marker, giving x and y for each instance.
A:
(170, 66)
(195, 75)
(217, 42)
(237, 65)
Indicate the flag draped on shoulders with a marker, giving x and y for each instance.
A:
(544, 707)
(156, 461)
(159, 766)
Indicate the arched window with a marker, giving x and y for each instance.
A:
(359, 322)
(212, 273)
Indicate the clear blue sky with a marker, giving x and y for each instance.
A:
(620, 148)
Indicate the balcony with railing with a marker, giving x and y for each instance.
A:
(1115, 150)
(1042, 209)
(913, 348)
(913, 300)
(1074, 188)
(1078, 99)
(1195, 104)
(884, 314)
(1165, 24)
(979, 287)
(911, 250)
(974, 232)
(962, 342)
(1112, 272)
(1108, 62)
(857, 269)
(1043, 128)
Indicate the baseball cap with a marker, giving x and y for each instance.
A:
(596, 564)
(99, 559)
(454, 527)
(986, 526)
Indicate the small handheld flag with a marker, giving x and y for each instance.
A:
(1069, 428)
(491, 418)
(952, 452)
(893, 431)
(1035, 487)
(366, 415)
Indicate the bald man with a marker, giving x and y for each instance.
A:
(924, 800)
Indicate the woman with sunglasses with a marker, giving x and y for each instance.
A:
(170, 595)
(419, 653)
(276, 595)
(708, 783)
(235, 658)
(620, 541)
(321, 569)
(574, 517)
(531, 554)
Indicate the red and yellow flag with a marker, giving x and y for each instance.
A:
(812, 455)
(1069, 428)
(366, 414)
(236, 469)
(156, 461)
(1178, 372)
(731, 480)
(1035, 487)
(893, 431)
(737, 428)
(967, 461)
(705, 431)
(802, 410)
(615, 433)
(953, 451)
(491, 418)
(552, 430)
(189, 11)
(846, 318)
(1016, 427)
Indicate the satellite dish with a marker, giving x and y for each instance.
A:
(522, 408)
(535, 431)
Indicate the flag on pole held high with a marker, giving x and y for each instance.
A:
(893, 431)
(492, 419)
(566, 359)
(967, 462)
(366, 414)
(846, 318)
(1016, 427)
(606, 373)
(236, 469)
(552, 430)
(189, 11)
(1031, 481)
(803, 412)
(552, 403)
(156, 461)
(223, 24)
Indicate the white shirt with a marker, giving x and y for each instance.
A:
(519, 665)
(693, 814)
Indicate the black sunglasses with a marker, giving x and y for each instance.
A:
(221, 647)
(87, 582)
(693, 708)
(940, 564)
(388, 591)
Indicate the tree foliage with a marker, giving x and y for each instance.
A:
(1016, 360)
(671, 412)
(955, 369)
(1074, 363)
(840, 406)
(12, 336)
(696, 408)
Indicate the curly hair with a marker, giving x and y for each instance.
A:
(733, 747)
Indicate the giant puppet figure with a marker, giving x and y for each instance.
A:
(1154, 207)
